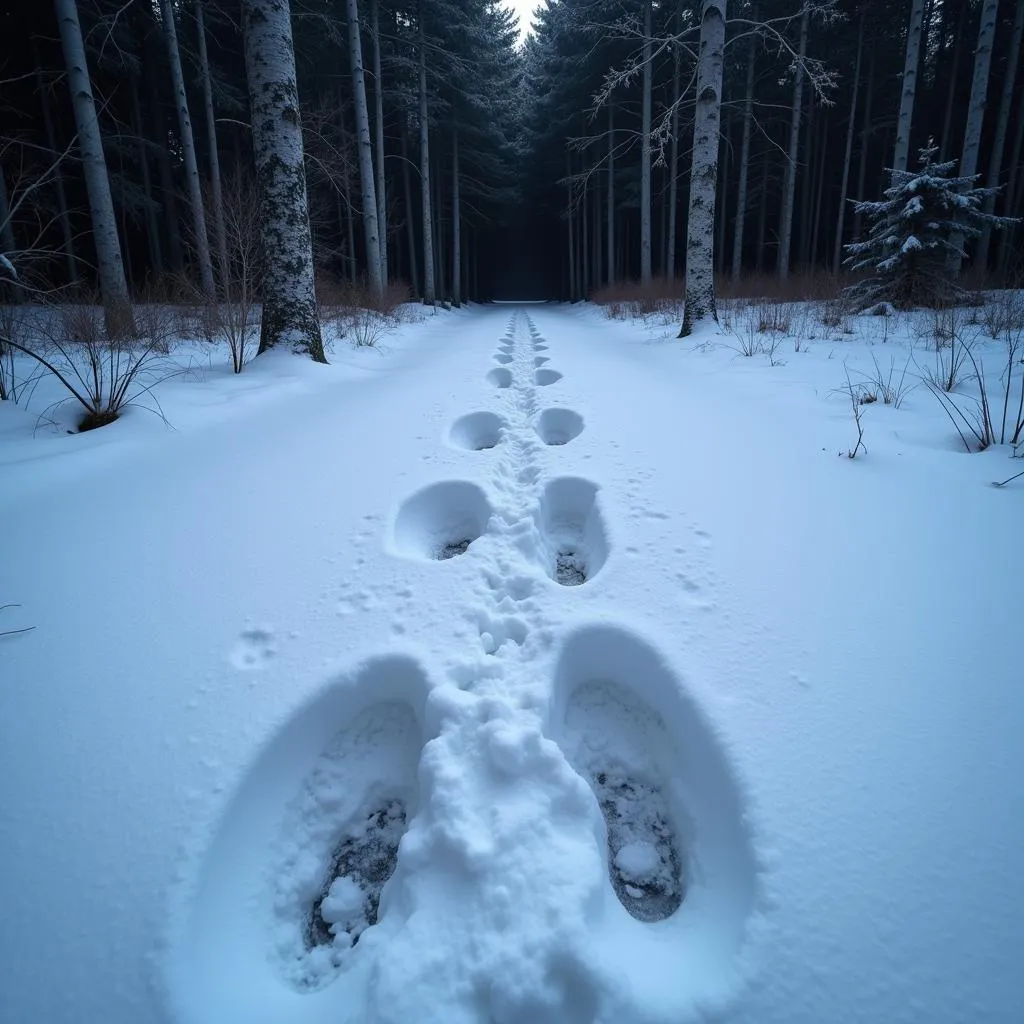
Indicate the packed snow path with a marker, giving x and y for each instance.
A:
(532, 682)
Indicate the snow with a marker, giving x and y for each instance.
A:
(594, 683)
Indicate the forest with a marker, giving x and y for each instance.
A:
(445, 161)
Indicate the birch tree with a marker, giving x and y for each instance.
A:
(365, 150)
(673, 174)
(793, 153)
(909, 87)
(976, 111)
(117, 310)
(289, 297)
(188, 152)
(700, 232)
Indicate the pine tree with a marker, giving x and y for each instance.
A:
(912, 235)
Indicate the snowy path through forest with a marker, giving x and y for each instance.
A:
(549, 676)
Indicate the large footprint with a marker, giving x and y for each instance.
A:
(293, 889)
(340, 840)
(682, 872)
(614, 742)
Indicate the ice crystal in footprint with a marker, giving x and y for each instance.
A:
(363, 862)
(643, 852)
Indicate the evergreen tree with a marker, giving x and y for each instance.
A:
(912, 236)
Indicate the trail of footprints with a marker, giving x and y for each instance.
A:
(442, 522)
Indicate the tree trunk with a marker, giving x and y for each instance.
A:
(58, 179)
(837, 250)
(289, 293)
(862, 169)
(152, 224)
(976, 110)
(645, 154)
(572, 239)
(364, 147)
(995, 164)
(762, 211)
(378, 100)
(117, 310)
(722, 194)
(350, 225)
(673, 173)
(611, 194)
(909, 90)
(188, 153)
(169, 192)
(700, 231)
(954, 75)
(7, 246)
(410, 227)
(1012, 189)
(789, 179)
(741, 191)
(456, 223)
(440, 266)
(429, 296)
(216, 191)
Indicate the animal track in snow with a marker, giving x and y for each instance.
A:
(574, 538)
(545, 376)
(441, 521)
(558, 426)
(477, 431)
(252, 650)
(678, 849)
(500, 377)
(503, 357)
(541, 360)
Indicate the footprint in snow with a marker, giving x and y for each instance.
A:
(252, 650)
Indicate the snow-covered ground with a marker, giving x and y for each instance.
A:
(536, 667)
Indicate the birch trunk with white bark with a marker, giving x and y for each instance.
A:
(792, 156)
(700, 231)
(909, 88)
(364, 147)
(290, 315)
(188, 153)
(976, 111)
(117, 310)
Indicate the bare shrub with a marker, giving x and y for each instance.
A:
(887, 385)
(103, 374)
(856, 395)
(773, 316)
(1003, 311)
(630, 300)
(15, 325)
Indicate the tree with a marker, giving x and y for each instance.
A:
(429, 292)
(117, 310)
(289, 296)
(188, 152)
(912, 236)
(645, 153)
(365, 148)
(976, 111)
(789, 179)
(700, 231)
(909, 89)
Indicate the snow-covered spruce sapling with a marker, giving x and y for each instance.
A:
(912, 236)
